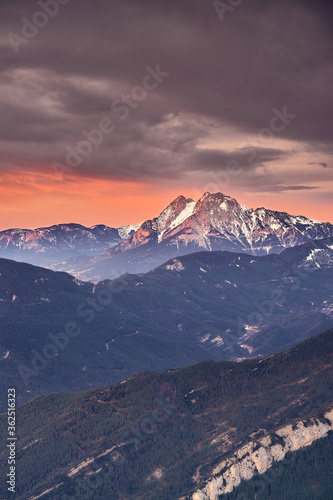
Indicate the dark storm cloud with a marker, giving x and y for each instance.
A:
(319, 164)
(246, 158)
(265, 55)
(295, 188)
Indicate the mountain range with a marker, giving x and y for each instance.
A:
(242, 292)
(59, 333)
(47, 245)
(214, 222)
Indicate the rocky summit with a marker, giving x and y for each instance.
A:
(215, 222)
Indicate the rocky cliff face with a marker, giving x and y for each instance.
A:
(214, 222)
(153, 230)
(258, 456)
(219, 222)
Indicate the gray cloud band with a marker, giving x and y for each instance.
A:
(227, 75)
(39, 20)
(122, 106)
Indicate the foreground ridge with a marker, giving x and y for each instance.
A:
(257, 457)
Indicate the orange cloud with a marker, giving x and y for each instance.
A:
(30, 200)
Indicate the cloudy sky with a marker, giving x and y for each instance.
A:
(112, 108)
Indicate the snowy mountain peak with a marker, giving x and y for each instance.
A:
(183, 214)
(209, 198)
(172, 212)
(211, 201)
(214, 222)
(217, 221)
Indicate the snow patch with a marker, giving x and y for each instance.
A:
(187, 212)
(248, 347)
(42, 280)
(218, 341)
(313, 252)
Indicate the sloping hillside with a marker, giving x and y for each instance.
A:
(159, 436)
(58, 333)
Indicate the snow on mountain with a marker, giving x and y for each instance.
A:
(217, 221)
(175, 213)
(47, 245)
(317, 254)
(127, 231)
(171, 216)
(214, 222)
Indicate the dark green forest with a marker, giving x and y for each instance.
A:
(148, 436)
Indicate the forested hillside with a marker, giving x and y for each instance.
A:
(158, 436)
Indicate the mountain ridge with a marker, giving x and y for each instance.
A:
(46, 245)
(206, 305)
(214, 222)
(161, 435)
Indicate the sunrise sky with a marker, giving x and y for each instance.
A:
(111, 109)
